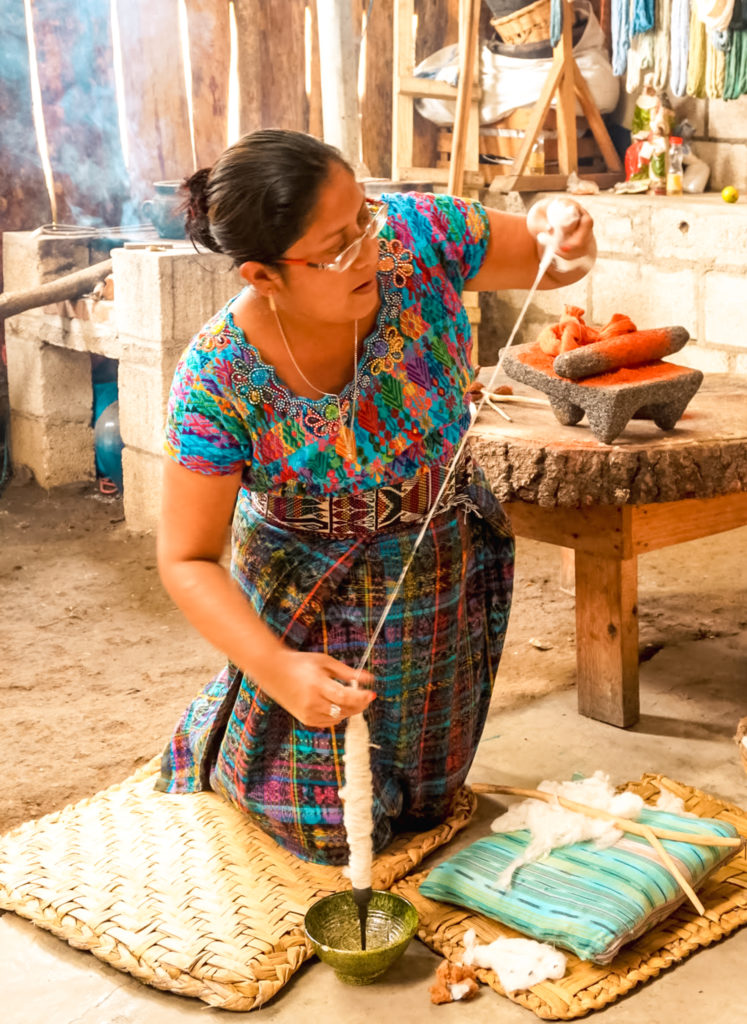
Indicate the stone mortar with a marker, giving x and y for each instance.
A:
(607, 403)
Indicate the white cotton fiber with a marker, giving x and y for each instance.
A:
(667, 801)
(552, 826)
(519, 963)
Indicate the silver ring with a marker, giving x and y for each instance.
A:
(335, 711)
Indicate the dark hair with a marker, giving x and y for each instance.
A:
(257, 199)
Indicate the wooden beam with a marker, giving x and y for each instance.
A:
(249, 22)
(468, 38)
(566, 101)
(672, 522)
(376, 107)
(597, 125)
(209, 36)
(156, 103)
(602, 531)
(316, 120)
(403, 107)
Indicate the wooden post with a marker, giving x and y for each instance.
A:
(338, 55)
(156, 103)
(249, 22)
(209, 38)
(376, 108)
(607, 638)
(468, 36)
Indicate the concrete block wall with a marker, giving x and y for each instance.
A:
(162, 296)
(720, 138)
(49, 386)
(663, 261)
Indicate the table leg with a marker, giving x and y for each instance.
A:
(607, 638)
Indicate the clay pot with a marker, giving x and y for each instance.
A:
(162, 210)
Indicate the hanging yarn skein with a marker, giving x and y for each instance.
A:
(715, 73)
(620, 30)
(643, 16)
(735, 78)
(661, 44)
(680, 41)
(716, 15)
(357, 793)
(696, 57)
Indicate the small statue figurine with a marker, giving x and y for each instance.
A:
(653, 121)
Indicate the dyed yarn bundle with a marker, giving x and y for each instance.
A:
(692, 47)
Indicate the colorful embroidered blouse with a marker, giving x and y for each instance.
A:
(229, 411)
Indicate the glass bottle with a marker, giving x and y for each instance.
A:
(537, 156)
(674, 168)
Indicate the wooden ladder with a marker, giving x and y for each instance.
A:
(462, 177)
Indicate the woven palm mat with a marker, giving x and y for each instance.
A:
(587, 986)
(184, 893)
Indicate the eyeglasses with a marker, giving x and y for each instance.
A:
(350, 253)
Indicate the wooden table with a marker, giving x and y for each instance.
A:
(611, 503)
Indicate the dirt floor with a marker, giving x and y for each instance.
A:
(96, 663)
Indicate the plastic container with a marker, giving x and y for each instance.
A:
(108, 444)
(674, 166)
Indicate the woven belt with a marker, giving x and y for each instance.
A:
(366, 512)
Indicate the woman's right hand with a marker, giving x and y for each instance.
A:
(311, 687)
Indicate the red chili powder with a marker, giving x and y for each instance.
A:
(643, 374)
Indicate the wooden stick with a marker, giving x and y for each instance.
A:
(625, 824)
(488, 397)
(467, 56)
(672, 867)
(517, 398)
(70, 286)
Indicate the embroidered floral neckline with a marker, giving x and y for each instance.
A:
(382, 347)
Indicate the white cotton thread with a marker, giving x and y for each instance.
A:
(519, 963)
(357, 793)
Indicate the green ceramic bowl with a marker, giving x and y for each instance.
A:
(333, 929)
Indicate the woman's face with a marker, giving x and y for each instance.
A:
(340, 217)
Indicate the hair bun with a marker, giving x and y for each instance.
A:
(196, 207)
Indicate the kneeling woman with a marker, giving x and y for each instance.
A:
(319, 411)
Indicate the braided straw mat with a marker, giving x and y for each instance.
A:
(587, 986)
(183, 892)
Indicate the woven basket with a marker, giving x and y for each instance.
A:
(741, 733)
(528, 25)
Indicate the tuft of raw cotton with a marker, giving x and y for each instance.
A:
(552, 826)
(519, 963)
(673, 804)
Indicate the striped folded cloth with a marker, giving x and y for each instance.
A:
(588, 900)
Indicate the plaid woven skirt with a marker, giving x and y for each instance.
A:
(434, 665)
